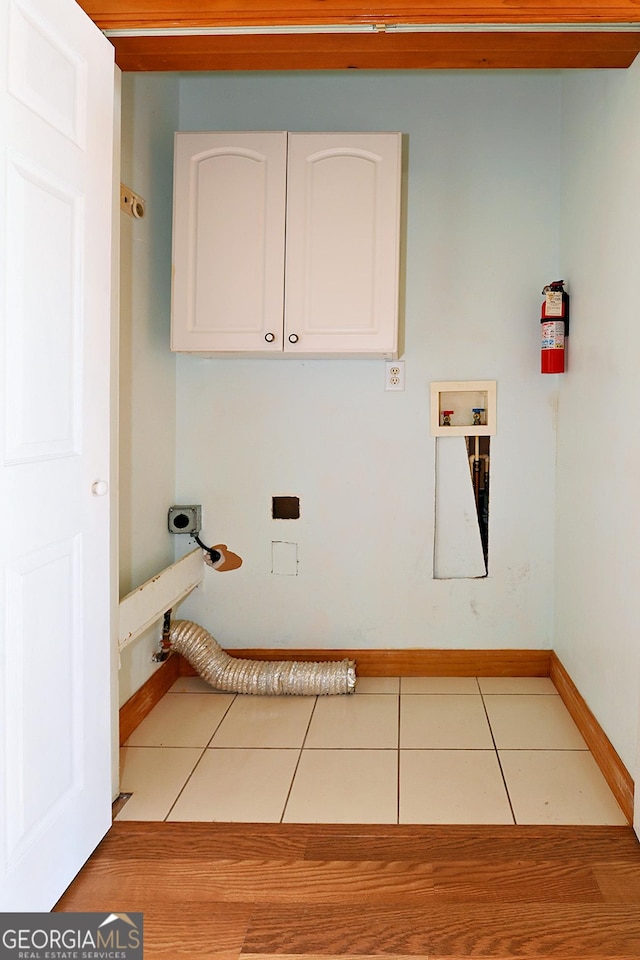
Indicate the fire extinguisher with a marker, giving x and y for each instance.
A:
(554, 322)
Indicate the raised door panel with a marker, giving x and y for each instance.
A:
(229, 211)
(343, 223)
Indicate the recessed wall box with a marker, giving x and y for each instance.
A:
(185, 519)
(463, 408)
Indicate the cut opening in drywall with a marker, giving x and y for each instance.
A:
(478, 450)
(461, 541)
(285, 508)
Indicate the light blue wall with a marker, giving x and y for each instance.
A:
(484, 194)
(598, 525)
(481, 240)
(147, 369)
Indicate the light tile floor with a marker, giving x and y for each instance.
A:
(401, 750)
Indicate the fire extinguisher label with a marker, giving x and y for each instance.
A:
(553, 335)
(554, 306)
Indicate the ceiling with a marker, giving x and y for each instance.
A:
(340, 35)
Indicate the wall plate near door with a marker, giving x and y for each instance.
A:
(131, 203)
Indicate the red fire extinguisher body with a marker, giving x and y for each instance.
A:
(554, 326)
(553, 347)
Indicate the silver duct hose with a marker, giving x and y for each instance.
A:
(263, 677)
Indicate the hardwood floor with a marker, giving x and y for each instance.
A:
(259, 891)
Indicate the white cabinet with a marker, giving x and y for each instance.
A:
(330, 288)
(228, 241)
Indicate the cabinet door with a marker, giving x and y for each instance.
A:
(228, 242)
(343, 216)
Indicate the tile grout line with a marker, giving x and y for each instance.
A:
(495, 747)
(184, 785)
(199, 760)
(221, 721)
(304, 740)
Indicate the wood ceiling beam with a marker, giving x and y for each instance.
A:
(463, 47)
(379, 51)
(119, 14)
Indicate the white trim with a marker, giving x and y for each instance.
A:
(625, 27)
(148, 603)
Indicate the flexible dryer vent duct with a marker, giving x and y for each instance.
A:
(265, 677)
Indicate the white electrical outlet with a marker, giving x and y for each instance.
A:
(394, 375)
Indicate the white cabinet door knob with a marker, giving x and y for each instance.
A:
(99, 488)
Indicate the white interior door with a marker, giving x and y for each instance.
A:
(56, 128)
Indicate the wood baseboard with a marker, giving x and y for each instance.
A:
(144, 700)
(414, 662)
(613, 769)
